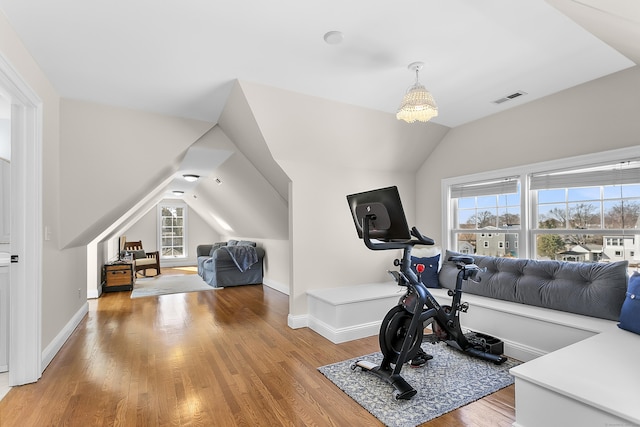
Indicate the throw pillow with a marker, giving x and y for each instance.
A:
(216, 246)
(430, 274)
(630, 312)
(139, 254)
(232, 243)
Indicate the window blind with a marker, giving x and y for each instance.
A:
(507, 185)
(613, 175)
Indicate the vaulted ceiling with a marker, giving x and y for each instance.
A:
(181, 58)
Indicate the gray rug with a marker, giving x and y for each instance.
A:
(448, 381)
(173, 284)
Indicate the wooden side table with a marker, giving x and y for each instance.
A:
(118, 276)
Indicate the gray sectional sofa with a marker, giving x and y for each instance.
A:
(231, 263)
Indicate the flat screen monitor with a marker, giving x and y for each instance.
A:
(387, 219)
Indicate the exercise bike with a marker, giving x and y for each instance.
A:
(401, 332)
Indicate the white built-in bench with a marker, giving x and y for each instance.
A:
(348, 313)
(595, 382)
(580, 370)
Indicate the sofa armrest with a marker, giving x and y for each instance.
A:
(203, 250)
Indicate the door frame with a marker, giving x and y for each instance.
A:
(25, 313)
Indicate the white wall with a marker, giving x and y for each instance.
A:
(111, 158)
(596, 116)
(329, 150)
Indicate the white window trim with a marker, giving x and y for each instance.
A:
(173, 203)
(523, 172)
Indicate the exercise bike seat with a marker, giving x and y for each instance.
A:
(421, 237)
(462, 259)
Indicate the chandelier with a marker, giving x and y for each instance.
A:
(418, 103)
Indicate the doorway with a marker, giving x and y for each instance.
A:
(25, 200)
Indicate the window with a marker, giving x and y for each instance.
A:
(172, 223)
(580, 209)
(485, 214)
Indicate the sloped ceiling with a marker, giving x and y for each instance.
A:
(239, 124)
(615, 22)
(303, 128)
(236, 199)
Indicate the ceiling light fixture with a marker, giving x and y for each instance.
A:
(191, 177)
(418, 103)
(178, 192)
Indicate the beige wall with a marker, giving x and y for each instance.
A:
(597, 116)
(329, 150)
(111, 158)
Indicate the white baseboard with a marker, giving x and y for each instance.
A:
(297, 322)
(54, 346)
(340, 335)
(93, 294)
(280, 287)
(520, 351)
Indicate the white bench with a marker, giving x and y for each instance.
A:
(595, 382)
(348, 313)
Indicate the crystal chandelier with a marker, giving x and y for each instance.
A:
(418, 103)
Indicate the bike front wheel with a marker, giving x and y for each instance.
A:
(393, 331)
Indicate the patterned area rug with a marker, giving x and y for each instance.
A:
(448, 381)
(173, 284)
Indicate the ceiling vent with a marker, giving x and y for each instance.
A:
(509, 97)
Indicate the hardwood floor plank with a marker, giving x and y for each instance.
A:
(222, 358)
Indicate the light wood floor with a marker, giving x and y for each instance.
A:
(215, 358)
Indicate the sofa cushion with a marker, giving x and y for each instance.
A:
(430, 274)
(630, 313)
(590, 289)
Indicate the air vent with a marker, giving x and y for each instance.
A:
(509, 97)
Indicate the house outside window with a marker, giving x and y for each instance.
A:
(486, 216)
(583, 209)
(172, 223)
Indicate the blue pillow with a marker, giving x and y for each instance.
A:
(430, 274)
(630, 313)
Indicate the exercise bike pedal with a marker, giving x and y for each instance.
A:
(365, 365)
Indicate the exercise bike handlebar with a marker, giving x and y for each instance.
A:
(385, 245)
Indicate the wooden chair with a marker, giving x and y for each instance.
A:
(143, 260)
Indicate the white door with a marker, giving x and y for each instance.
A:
(5, 224)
